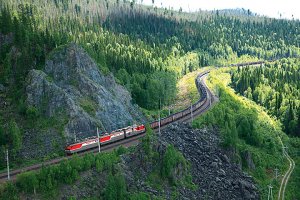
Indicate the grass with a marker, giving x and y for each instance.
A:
(187, 94)
(268, 129)
(89, 106)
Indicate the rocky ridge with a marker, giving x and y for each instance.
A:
(72, 86)
(72, 91)
(216, 176)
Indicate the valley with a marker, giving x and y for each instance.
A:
(68, 67)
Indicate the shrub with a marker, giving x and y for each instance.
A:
(172, 159)
(32, 113)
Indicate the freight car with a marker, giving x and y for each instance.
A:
(187, 111)
(130, 131)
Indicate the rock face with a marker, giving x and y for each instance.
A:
(72, 88)
(216, 176)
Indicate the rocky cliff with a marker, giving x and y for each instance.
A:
(71, 87)
(216, 176)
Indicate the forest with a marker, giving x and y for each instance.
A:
(148, 49)
(275, 86)
(247, 128)
(136, 43)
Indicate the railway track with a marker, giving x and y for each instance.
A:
(208, 101)
(286, 177)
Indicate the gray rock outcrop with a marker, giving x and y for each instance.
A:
(72, 88)
(212, 171)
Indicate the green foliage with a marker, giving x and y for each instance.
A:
(171, 167)
(147, 50)
(140, 196)
(209, 34)
(136, 43)
(121, 150)
(146, 141)
(3, 136)
(235, 121)
(32, 113)
(171, 160)
(14, 136)
(115, 188)
(10, 136)
(106, 162)
(88, 106)
(245, 127)
(48, 179)
(28, 182)
(274, 86)
(9, 192)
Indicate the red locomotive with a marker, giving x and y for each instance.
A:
(106, 138)
(130, 131)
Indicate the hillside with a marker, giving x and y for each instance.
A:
(254, 137)
(158, 168)
(67, 101)
(69, 66)
(276, 86)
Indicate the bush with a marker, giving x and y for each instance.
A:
(115, 188)
(140, 196)
(14, 136)
(9, 192)
(172, 159)
(146, 141)
(32, 113)
(27, 182)
(88, 106)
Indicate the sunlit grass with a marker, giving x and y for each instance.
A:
(266, 126)
(187, 90)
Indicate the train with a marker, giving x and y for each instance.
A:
(248, 63)
(105, 138)
(176, 116)
(131, 131)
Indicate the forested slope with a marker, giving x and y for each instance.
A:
(147, 49)
(249, 133)
(276, 86)
(134, 41)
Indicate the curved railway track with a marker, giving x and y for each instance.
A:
(286, 177)
(205, 105)
(186, 116)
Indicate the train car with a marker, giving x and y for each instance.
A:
(112, 137)
(154, 124)
(177, 116)
(82, 146)
(199, 104)
(186, 112)
(134, 130)
(106, 138)
(166, 120)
